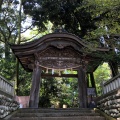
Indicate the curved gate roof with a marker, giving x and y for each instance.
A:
(56, 51)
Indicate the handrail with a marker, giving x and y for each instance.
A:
(6, 88)
(111, 84)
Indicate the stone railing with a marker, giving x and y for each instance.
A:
(111, 84)
(109, 102)
(7, 102)
(6, 88)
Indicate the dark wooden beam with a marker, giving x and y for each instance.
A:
(93, 82)
(87, 78)
(43, 75)
(80, 89)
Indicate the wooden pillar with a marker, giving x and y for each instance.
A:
(93, 82)
(82, 88)
(92, 79)
(87, 78)
(35, 88)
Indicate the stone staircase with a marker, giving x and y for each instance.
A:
(56, 114)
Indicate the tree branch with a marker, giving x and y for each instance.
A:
(30, 38)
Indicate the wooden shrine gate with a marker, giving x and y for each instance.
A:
(57, 51)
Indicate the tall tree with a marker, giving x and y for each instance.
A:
(93, 20)
(18, 42)
(8, 34)
(12, 19)
(68, 13)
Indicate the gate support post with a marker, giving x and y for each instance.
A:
(82, 88)
(35, 88)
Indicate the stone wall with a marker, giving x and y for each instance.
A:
(7, 102)
(110, 103)
(7, 105)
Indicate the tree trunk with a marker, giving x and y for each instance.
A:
(1, 2)
(18, 42)
(17, 76)
(7, 51)
(34, 93)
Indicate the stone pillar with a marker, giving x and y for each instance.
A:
(35, 88)
(82, 88)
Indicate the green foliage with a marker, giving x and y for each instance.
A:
(69, 94)
(8, 71)
(68, 13)
(50, 88)
(10, 25)
(77, 16)
(8, 68)
(103, 73)
(24, 82)
(8, 22)
(58, 90)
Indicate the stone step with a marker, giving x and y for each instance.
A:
(59, 114)
(61, 118)
(55, 110)
(56, 114)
